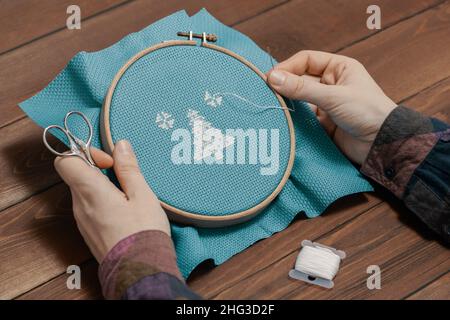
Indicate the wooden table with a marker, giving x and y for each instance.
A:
(409, 57)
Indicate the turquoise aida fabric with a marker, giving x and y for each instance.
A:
(321, 174)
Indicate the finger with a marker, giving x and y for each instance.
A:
(127, 170)
(326, 122)
(101, 158)
(313, 108)
(301, 88)
(311, 78)
(74, 171)
(324, 119)
(309, 62)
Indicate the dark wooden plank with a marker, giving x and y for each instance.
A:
(22, 21)
(377, 237)
(410, 56)
(437, 290)
(33, 66)
(27, 166)
(434, 101)
(324, 25)
(38, 240)
(90, 287)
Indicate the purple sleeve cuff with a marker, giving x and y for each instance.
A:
(404, 141)
(411, 157)
(137, 257)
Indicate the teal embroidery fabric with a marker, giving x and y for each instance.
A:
(321, 174)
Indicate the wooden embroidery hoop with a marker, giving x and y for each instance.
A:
(176, 214)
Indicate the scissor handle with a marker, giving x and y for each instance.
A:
(75, 138)
(49, 147)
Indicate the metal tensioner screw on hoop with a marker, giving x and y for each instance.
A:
(204, 36)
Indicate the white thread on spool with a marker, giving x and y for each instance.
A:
(317, 264)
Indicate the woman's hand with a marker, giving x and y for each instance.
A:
(347, 101)
(104, 214)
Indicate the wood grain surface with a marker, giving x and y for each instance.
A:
(437, 290)
(409, 57)
(28, 20)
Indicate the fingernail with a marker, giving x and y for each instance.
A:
(124, 147)
(277, 78)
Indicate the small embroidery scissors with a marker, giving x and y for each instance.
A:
(78, 148)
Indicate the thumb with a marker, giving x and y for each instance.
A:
(127, 170)
(301, 88)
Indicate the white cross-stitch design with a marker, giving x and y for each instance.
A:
(213, 100)
(164, 120)
(208, 141)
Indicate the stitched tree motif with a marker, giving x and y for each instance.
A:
(208, 141)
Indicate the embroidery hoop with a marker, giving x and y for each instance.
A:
(176, 214)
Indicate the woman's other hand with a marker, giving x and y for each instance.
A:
(104, 214)
(347, 101)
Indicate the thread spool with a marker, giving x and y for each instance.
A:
(317, 264)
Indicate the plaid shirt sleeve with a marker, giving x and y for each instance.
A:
(411, 158)
(143, 267)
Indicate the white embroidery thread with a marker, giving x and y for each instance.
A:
(164, 120)
(216, 99)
